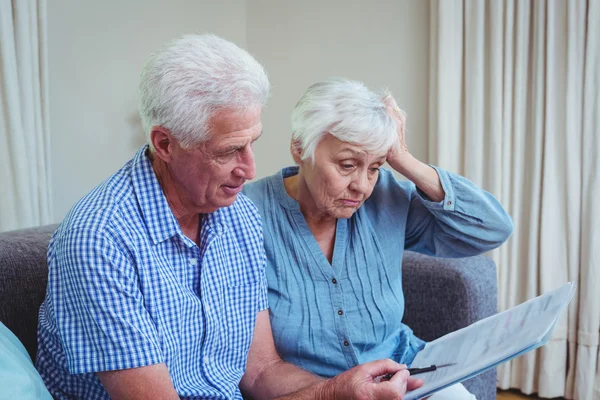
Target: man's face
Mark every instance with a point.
(211, 175)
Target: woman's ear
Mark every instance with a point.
(296, 150)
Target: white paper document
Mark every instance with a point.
(491, 341)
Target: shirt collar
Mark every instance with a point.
(156, 212)
(281, 193)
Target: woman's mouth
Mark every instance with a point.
(351, 203)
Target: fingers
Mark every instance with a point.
(382, 367)
(389, 100)
(400, 377)
(395, 388)
(395, 112)
(400, 382)
(414, 383)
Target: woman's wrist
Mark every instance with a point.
(404, 164)
(424, 176)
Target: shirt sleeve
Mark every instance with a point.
(263, 300)
(468, 221)
(98, 305)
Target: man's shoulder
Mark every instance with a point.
(389, 200)
(103, 205)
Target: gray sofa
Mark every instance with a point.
(442, 295)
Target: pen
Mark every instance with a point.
(416, 371)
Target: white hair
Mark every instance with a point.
(183, 84)
(346, 109)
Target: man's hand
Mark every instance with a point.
(362, 382)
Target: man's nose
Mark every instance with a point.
(246, 167)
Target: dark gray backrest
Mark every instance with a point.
(23, 278)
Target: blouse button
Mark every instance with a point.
(334, 281)
(346, 343)
(340, 312)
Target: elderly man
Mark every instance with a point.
(156, 284)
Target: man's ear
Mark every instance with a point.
(296, 150)
(163, 143)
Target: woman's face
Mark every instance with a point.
(341, 179)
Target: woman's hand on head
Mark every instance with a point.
(398, 155)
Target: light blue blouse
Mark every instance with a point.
(327, 318)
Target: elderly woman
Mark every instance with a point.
(336, 226)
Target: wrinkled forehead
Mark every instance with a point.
(359, 151)
(228, 120)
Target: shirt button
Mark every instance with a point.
(449, 203)
(346, 343)
(206, 360)
(334, 281)
(340, 312)
(193, 262)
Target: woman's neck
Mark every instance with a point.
(320, 223)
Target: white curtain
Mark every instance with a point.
(515, 107)
(24, 134)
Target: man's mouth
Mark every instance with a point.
(233, 189)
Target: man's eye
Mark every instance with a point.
(347, 166)
(373, 170)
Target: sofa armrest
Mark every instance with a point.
(443, 295)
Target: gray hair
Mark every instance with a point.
(183, 84)
(346, 109)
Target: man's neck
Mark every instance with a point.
(188, 221)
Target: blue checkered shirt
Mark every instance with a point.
(126, 288)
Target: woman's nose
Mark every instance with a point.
(360, 183)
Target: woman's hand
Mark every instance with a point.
(398, 156)
(400, 159)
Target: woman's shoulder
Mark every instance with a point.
(389, 186)
(390, 200)
(257, 190)
(264, 191)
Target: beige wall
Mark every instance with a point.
(384, 43)
(96, 50)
